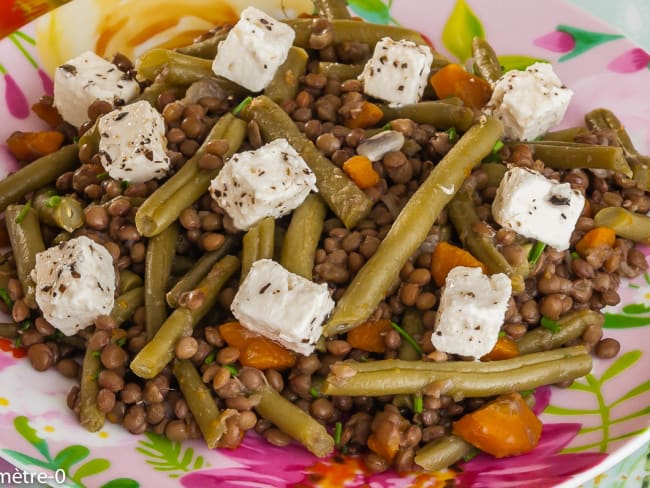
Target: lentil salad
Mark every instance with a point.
(548, 297)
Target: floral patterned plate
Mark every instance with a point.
(588, 428)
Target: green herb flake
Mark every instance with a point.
(471, 455)
(575, 255)
(452, 134)
(497, 147)
(18, 342)
(23, 212)
(551, 325)
(75, 139)
(242, 105)
(121, 342)
(314, 392)
(232, 369)
(338, 431)
(387, 126)
(418, 404)
(96, 354)
(53, 202)
(25, 324)
(125, 184)
(527, 393)
(502, 333)
(209, 359)
(536, 252)
(4, 296)
(408, 338)
(102, 176)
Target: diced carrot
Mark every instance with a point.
(504, 427)
(369, 336)
(359, 169)
(386, 449)
(256, 350)
(369, 115)
(596, 238)
(505, 348)
(446, 257)
(46, 112)
(28, 146)
(263, 353)
(454, 81)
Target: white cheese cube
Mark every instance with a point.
(253, 50)
(86, 78)
(282, 306)
(268, 182)
(537, 207)
(471, 312)
(530, 102)
(75, 284)
(397, 71)
(132, 143)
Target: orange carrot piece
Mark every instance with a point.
(369, 115)
(359, 169)
(49, 114)
(255, 350)
(369, 336)
(504, 427)
(505, 348)
(454, 81)
(596, 238)
(28, 146)
(386, 449)
(446, 257)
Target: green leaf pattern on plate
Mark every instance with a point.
(594, 385)
(168, 455)
(64, 459)
(373, 10)
(461, 27)
(513, 61)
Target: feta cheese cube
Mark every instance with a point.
(86, 78)
(282, 306)
(253, 50)
(397, 71)
(268, 182)
(132, 143)
(529, 102)
(471, 312)
(75, 283)
(537, 207)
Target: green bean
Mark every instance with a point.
(440, 114)
(284, 85)
(90, 138)
(159, 351)
(464, 218)
(206, 48)
(189, 183)
(38, 174)
(157, 269)
(352, 30)
(294, 421)
(412, 325)
(182, 264)
(90, 416)
(410, 229)
(198, 271)
(469, 385)
(300, 242)
(152, 92)
(495, 172)
(605, 119)
(572, 325)
(332, 9)
(129, 280)
(26, 241)
(342, 196)
(58, 211)
(626, 224)
(443, 452)
(565, 135)
(349, 368)
(258, 243)
(200, 402)
(7, 269)
(9, 331)
(340, 71)
(486, 62)
(126, 304)
(574, 155)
